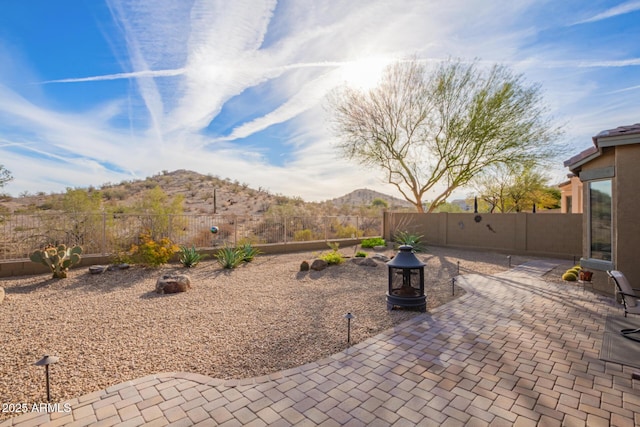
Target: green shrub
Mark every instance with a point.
(406, 238)
(372, 242)
(569, 276)
(361, 254)
(229, 257)
(189, 257)
(248, 252)
(332, 258)
(151, 252)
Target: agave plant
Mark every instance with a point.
(58, 259)
(413, 240)
(248, 252)
(189, 257)
(229, 257)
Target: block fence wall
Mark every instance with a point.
(538, 234)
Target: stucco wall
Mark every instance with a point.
(552, 235)
(626, 196)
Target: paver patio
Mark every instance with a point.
(515, 350)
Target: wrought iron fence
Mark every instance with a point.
(104, 233)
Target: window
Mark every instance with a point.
(569, 207)
(600, 215)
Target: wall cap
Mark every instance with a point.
(596, 264)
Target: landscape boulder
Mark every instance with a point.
(365, 262)
(380, 257)
(319, 264)
(97, 269)
(173, 283)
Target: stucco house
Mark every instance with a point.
(571, 195)
(610, 175)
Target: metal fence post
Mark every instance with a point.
(284, 222)
(104, 233)
(325, 229)
(235, 230)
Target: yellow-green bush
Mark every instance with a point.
(151, 252)
(569, 276)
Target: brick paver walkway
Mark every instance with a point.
(514, 351)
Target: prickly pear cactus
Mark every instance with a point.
(58, 259)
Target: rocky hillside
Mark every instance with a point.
(365, 197)
(206, 194)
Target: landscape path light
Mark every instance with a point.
(46, 361)
(349, 316)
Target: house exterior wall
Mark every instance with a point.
(626, 190)
(593, 170)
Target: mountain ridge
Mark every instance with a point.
(199, 192)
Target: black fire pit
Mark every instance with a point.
(406, 281)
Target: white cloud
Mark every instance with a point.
(621, 9)
(187, 60)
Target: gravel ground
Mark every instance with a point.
(260, 318)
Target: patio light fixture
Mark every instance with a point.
(46, 361)
(349, 316)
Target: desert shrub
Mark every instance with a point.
(153, 252)
(248, 252)
(189, 257)
(361, 254)
(372, 242)
(229, 257)
(305, 235)
(407, 238)
(332, 258)
(121, 257)
(569, 276)
(347, 231)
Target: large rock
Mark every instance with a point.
(97, 269)
(173, 283)
(380, 257)
(319, 264)
(1, 295)
(365, 262)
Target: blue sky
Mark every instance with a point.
(101, 91)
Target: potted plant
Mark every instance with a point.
(586, 275)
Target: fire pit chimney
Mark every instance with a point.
(406, 281)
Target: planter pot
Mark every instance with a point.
(586, 275)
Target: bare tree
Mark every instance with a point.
(5, 176)
(443, 128)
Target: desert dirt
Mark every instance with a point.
(260, 318)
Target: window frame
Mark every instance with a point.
(590, 223)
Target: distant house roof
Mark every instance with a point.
(606, 138)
